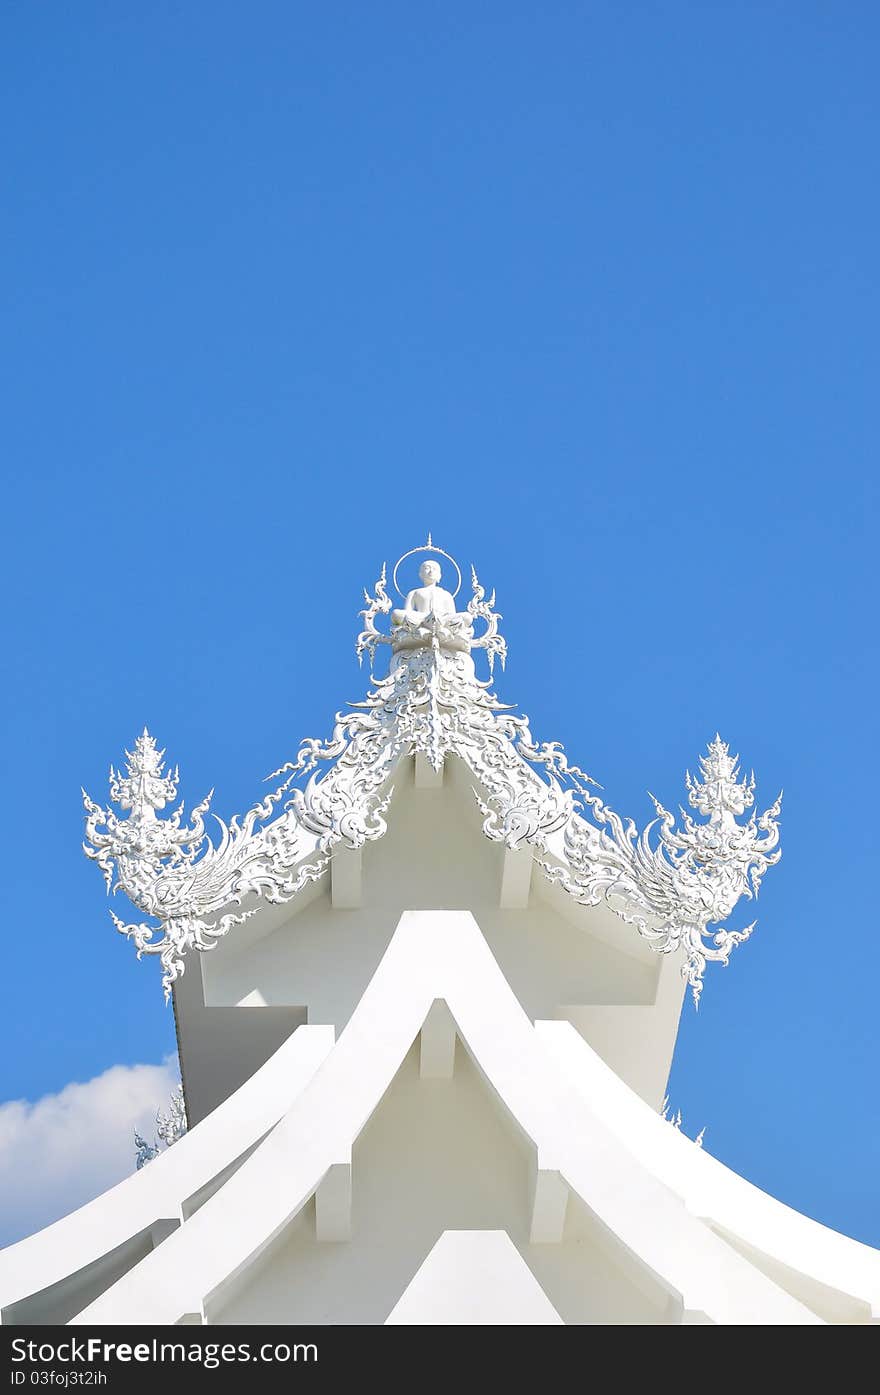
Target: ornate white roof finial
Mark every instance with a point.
(428, 618)
(145, 787)
(720, 794)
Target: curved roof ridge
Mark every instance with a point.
(442, 954)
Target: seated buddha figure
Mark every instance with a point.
(430, 599)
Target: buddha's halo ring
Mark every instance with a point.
(425, 547)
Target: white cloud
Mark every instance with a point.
(64, 1149)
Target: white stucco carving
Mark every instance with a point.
(428, 617)
(144, 1152)
(171, 1125)
(174, 873)
(677, 890)
(675, 886)
(674, 1118)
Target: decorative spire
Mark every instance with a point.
(721, 794)
(170, 1128)
(680, 890)
(145, 788)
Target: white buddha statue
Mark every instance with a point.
(428, 599)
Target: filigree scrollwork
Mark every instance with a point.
(377, 604)
(170, 1129)
(480, 609)
(174, 873)
(676, 890)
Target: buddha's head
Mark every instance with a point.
(429, 572)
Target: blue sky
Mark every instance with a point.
(587, 289)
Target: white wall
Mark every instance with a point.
(316, 959)
(437, 1155)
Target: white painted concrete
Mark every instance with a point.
(618, 1217)
(837, 1276)
(516, 878)
(441, 954)
(57, 1262)
(561, 959)
(345, 879)
(434, 1156)
(437, 1043)
(474, 1278)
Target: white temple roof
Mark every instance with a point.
(674, 887)
(718, 1249)
(433, 1097)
